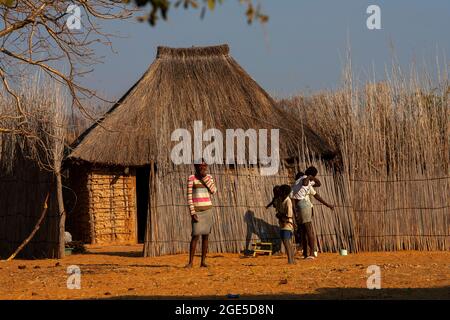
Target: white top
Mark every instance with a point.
(301, 192)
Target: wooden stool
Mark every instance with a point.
(262, 247)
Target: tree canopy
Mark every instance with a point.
(160, 8)
(36, 35)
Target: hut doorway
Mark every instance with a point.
(142, 200)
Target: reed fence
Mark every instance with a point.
(357, 224)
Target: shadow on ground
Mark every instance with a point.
(125, 254)
(440, 293)
(139, 254)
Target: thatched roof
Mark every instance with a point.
(181, 86)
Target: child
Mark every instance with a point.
(304, 214)
(199, 190)
(285, 215)
(313, 181)
(275, 196)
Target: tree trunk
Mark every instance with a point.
(62, 214)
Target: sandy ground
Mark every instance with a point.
(120, 273)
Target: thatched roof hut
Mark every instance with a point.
(180, 87)
(127, 177)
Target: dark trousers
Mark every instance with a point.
(308, 238)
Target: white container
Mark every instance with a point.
(343, 252)
(315, 254)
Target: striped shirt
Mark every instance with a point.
(198, 193)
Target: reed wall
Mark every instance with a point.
(367, 215)
(22, 196)
(239, 211)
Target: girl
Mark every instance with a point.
(285, 215)
(304, 215)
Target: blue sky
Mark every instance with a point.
(300, 50)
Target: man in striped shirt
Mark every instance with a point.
(199, 190)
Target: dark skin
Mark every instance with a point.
(323, 201)
(275, 195)
(200, 173)
(192, 248)
(305, 182)
(316, 181)
(317, 196)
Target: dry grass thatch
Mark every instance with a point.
(390, 189)
(180, 87)
(28, 160)
(390, 186)
(393, 141)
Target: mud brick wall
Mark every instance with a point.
(112, 206)
(106, 206)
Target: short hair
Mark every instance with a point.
(299, 175)
(284, 190)
(200, 163)
(311, 171)
(276, 190)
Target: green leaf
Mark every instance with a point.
(211, 4)
(8, 3)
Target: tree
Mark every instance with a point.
(38, 34)
(45, 36)
(35, 35)
(161, 8)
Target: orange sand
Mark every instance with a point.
(120, 272)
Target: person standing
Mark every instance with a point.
(285, 215)
(304, 215)
(313, 181)
(276, 190)
(201, 186)
(312, 173)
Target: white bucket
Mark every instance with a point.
(343, 252)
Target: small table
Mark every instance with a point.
(262, 247)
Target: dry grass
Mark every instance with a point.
(182, 86)
(30, 154)
(392, 178)
(390, 181)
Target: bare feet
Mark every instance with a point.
(203, 265)
(188, 266)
